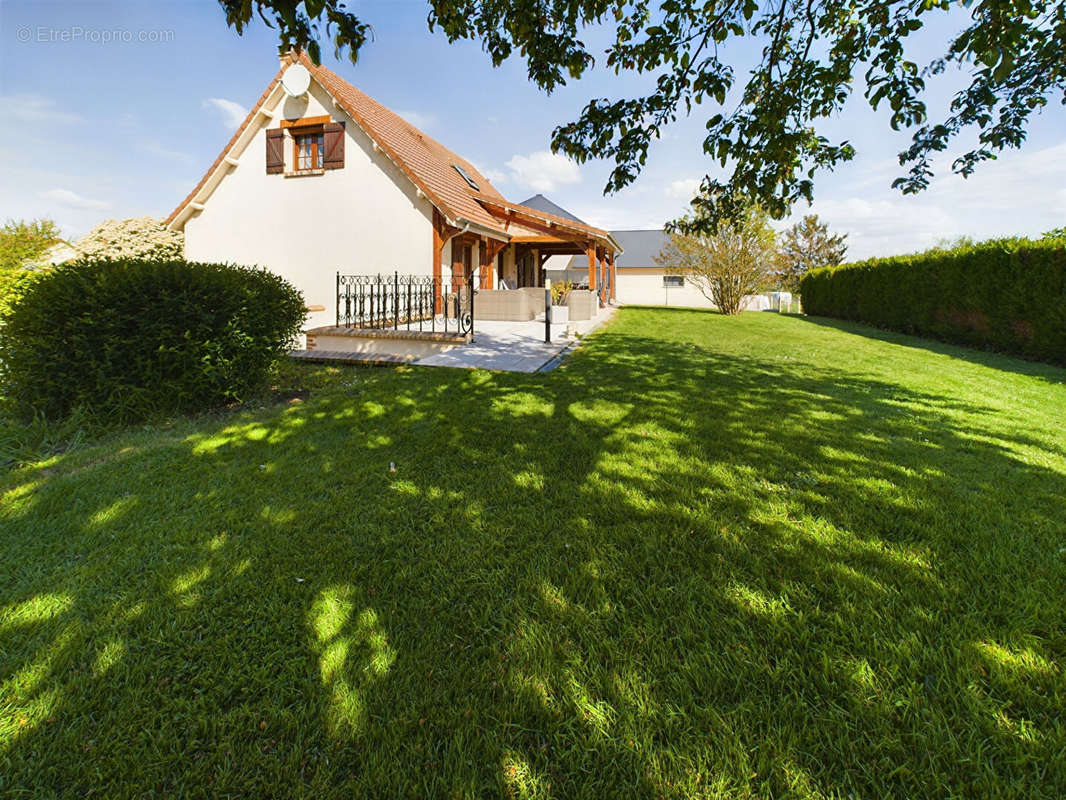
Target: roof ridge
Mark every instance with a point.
(409, 126)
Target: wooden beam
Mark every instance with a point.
(557, 232)
(504, 211)
(305, 121)
(590, 251)
(541, 240)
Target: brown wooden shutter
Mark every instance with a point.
(333, 144)
(275, 150)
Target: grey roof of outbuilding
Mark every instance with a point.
(640, 247)
(539, 202)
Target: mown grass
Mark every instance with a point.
(708, 557)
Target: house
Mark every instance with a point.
(642, 280)
(377, 224)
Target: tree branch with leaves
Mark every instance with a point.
(816, 55)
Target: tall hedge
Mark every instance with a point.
(1008, 295)
(131, 339)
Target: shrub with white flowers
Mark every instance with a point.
(139, 237)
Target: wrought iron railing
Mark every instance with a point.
(406, 302)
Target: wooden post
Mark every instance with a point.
(485, 259)
(438, 248)
(442, 232)
(590, 251)
(601, 253)
(613, 273)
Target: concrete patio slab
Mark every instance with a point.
(512, 346)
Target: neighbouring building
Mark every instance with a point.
(644, 281)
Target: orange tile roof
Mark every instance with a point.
(543, 216)
(425, 161)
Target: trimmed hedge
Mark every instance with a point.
(133, 339)
(1007, 295)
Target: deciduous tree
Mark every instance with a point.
(728, 264)
(22, 245)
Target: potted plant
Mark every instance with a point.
(560, 296)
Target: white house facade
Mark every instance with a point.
(320, 179)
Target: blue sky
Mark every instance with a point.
(116, 109)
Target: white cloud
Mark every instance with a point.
(33, 108)
(543, 171)
(683, 189)
(419, 119)
(65, 197)
(1019, 194)
(494, 175)
(233, 114)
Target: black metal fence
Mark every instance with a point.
(406, 302)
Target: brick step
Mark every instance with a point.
(367, 359)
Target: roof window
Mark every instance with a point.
(466, 177)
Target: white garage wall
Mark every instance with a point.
(645, 287)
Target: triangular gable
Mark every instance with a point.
(428, 164)
(214, 173)
(424, 161)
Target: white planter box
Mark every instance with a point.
(560, 315)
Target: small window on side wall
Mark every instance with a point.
(673, 281)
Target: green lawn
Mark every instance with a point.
(756, 557)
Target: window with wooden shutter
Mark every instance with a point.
(275, 151)
(307, 150)
(333, 134)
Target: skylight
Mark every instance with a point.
(466, 177)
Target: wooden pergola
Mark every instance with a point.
(549, 236)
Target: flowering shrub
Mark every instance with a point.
(139, 237)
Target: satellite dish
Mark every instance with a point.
(296, 80)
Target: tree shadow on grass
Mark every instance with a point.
(656, 571)
(985, 358)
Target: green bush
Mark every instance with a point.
(1007, 295)
(135, 339)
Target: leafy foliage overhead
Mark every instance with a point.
(768, 134)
